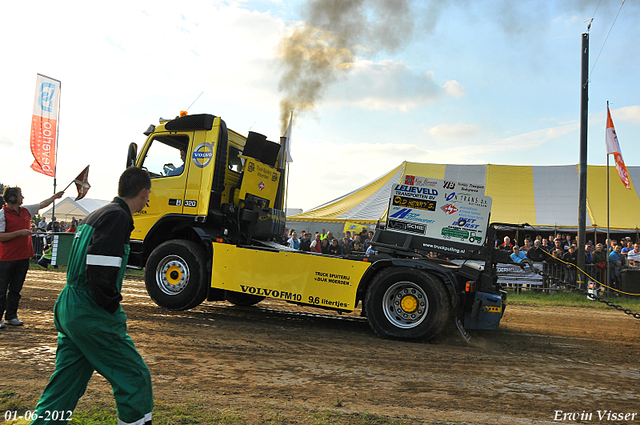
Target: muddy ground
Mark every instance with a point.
(541, 362)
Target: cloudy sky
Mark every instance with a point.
(373, 82)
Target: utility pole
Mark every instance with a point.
(584, 121)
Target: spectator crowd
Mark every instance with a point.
(562, 252)
(326, 243)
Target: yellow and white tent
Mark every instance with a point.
(546, 197)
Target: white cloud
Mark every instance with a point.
(456, 132)
(531, 141)
(389, 85)
(628, 113)
(454, 88)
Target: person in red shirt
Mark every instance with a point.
(72, 228)
(316, 245)
(15, 250)
(506, 245)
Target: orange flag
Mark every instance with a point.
(44, 125)
(613, 147)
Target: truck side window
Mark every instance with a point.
(235, 162)
(166, 156)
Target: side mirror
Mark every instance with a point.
(132, 155)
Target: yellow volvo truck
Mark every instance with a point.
(211, 228)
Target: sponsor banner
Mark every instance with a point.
(420, 181)
(403, 226)
(470, 188)
(414, 203)
(44, 125)
(448, 211)
(353, 226)
(512, 273)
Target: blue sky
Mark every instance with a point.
(448, 82)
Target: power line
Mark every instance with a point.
(595, 11)
(606, 38)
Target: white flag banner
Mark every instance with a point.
(613, 147)
(288, 135)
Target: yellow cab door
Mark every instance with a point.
(165, 157)
(202, 162)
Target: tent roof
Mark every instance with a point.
(68, 208)
(543, 196)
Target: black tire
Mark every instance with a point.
(406, 303)
(244, 300)
(175, 275)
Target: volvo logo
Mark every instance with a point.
(202, 155)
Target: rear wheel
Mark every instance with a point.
(175, 275)
(244, 300)
(407, 303)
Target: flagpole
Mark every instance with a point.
(608, 268)
(55, 166)
(69, 185)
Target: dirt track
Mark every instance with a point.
(281, 357)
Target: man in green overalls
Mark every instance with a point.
(91, 323)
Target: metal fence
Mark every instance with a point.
(554, 276)
(558, 274)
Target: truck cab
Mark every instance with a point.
(196, 165)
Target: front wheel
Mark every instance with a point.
(175, 275)
(407, 303)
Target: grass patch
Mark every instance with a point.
(95, 416)
(569, 299)
(194, 411)
(9, 400)
(134, 273)
(33, 265)
(101, 410)
(337, 418)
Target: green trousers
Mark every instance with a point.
(91, 339)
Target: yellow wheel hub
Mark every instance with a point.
(174, 275)
(409, 303)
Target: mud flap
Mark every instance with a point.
(462, 330)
